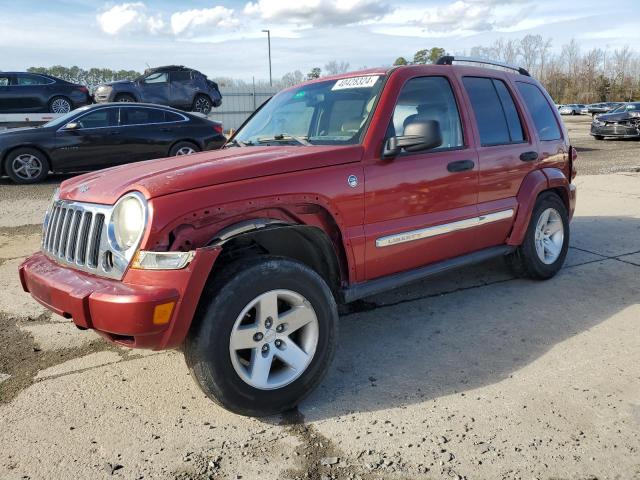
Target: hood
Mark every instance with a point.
(154, 178)
(22, 132)
(615, 117)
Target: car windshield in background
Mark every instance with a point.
(58, 122)
(333, 112)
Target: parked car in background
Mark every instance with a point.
(623, 122)
(175, 86)
(598, 108)
(23, 92)
(335, 190)
(572, 109)
(105, 135)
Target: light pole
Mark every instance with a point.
(268, 32)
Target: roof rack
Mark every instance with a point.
(449, 59)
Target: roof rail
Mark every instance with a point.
(449, 59)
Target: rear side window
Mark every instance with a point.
(172, 117)
(496, 115)
(141, 116)
(543, 117)
(32, 80)
(181, 76)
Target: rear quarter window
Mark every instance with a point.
(540, 110)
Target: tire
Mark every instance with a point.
(124, 97)
(598, 137)
(527, 260)
(202, 104)
(225, 373)
(60, 105)
(26, 165)
(183, 148)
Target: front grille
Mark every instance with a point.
(74, 234)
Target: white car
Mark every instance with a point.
(572, 109)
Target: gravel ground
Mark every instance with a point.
(473, 375)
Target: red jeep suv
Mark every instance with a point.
(334, 190)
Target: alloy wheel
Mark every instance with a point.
(26, 166)
(185, 151)
(60, 105)
(549, 236)
(202, 105)
(274, 339)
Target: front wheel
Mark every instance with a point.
(546, 242)
(124, 98)
(264, 335)
(26, 165)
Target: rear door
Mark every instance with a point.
(32, 92)
(145, 132)
(182, 88)
(94, 144)
(155, 88)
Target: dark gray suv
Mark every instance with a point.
(175, 86)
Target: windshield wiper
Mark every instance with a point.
(237, 143)
(285, 137)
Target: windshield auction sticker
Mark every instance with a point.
(356, 82)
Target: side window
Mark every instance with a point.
(172, 117)
(105, 117)
(496, 115)
(428, 98)
(140, 116)
(181, 76)
(158, 77)
(4, 81)
(543, 117)
(31, 80)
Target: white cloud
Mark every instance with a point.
(129, 17)
(473, 15)
(317, 12)
(202, 20)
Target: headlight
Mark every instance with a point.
(128, 221)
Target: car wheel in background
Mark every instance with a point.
(26, 165)
(124, 97)
(546, 242)
(59, 105)
(183, 148)
(264, 335)
(202, 104)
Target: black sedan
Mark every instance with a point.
(623, 122)
(100, 136)
(34, 92)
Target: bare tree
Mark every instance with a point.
(334, 67)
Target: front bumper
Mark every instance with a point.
(615, 130)
(122, 311)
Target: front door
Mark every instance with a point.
(93, 144)
(421, 207)
(155, 88)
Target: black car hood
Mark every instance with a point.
(22, 131)
(615, 117)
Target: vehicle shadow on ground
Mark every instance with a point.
(53, 179)
(418, 343)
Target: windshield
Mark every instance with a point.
(333, 112)
(64, 119)
(618, 109)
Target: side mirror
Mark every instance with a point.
(72, 126)
(418, 136)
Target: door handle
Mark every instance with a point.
(529, 156)
(461, 166)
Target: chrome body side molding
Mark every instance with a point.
(436, 230)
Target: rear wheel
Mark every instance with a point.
(60, 105)
(183, 148)
(124, 97)
(202, 104)
(546, 242)
(264, 335)
(26, 165)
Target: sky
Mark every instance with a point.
(225, 38)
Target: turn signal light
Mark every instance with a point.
(162, 313)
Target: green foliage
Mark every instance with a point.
(314, 73)
(401, 61)
(428, 55)
(91, 77)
